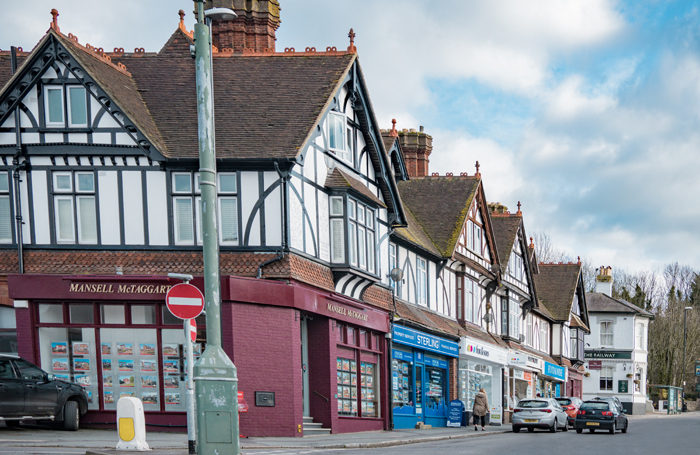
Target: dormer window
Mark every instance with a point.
(474, 237)
(71, 102)
(340, 137)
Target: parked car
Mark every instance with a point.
(570, 405)
(600, 415)
(543, 413)
(29, 393)
(615, 400)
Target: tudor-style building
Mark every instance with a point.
(108, 195)
(561, 291)
(617, 347)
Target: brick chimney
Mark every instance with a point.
(604, 281)
(254, 28)
(416, 147)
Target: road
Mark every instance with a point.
(651, 434)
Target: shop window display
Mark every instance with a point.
(368, 389)
(472, 377)
(347, 386)
(402, 381)
(69, 353)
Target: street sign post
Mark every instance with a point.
(185, 301)
(193, 330)
(190, 337)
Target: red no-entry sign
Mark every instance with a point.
(185, 301)
(193, 330)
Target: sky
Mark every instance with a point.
(587, 112)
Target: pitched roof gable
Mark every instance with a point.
(603, 303)
(505, 231)
(415, 234)
(556, 286)
(111, 80)
(440, 205)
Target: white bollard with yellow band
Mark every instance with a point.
(131, 424)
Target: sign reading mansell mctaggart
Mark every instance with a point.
(113, 288)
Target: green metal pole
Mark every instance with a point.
(216, 382)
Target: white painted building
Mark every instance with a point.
(617, 347)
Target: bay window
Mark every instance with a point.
(361, 235)
(573, 336)
(75, 208)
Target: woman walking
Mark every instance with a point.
(480, 409)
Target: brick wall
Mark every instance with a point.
(25, 332)
(416, 147)
(265, 345)
(454, 381)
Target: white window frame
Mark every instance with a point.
(81, 238)
(55, 176)
(573, 343)
(69, 106)
(337, 227)
(69, 198)
(342, 152)
(514, 318)
(639, 335)
(528, 329)
(5, 195)
(222, 195)
(421, 281)
(544, 336)
(607, 335)
(174, 189)
(220, 220)
(469, 298)
(47, 111)
(176, 225)
(606, 374)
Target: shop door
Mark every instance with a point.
(419, 391)
(304, 365)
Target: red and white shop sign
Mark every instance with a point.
(185, 301)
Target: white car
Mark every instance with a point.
(543, 413)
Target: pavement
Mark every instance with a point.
(103, 442)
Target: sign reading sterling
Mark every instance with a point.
(411, 337)
(104, 288)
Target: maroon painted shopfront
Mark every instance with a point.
(575, 383)
(300, 351)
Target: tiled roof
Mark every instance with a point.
(120, 87)
(340, 179)
(576, 321)
(505, 229)
(440, 205)
(265, 106)
(603, 303)
(556, 287)
(415, 234)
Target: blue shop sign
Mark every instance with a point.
(401, 355)
(554, 371)
(436, 363)
(410, 337)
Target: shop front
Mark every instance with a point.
(115, 336)
(481, 366)
(523, 369)
(551, 383)
(112, 335)
(420, 377)
(574, 383)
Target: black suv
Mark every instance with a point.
(29, 393)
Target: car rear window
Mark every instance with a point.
(595, 406)
(564, 401)
(533, 404)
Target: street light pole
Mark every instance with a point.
(685, 325)
(216, 381)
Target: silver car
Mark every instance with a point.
(543, 413)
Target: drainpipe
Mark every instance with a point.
(16, 175)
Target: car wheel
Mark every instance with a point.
(566, 427)
(579, 430)
(530, 429)
(71, 416)
(516, 429)
(12, 423)
(612, 430)
(553, 428)
(624, 430)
